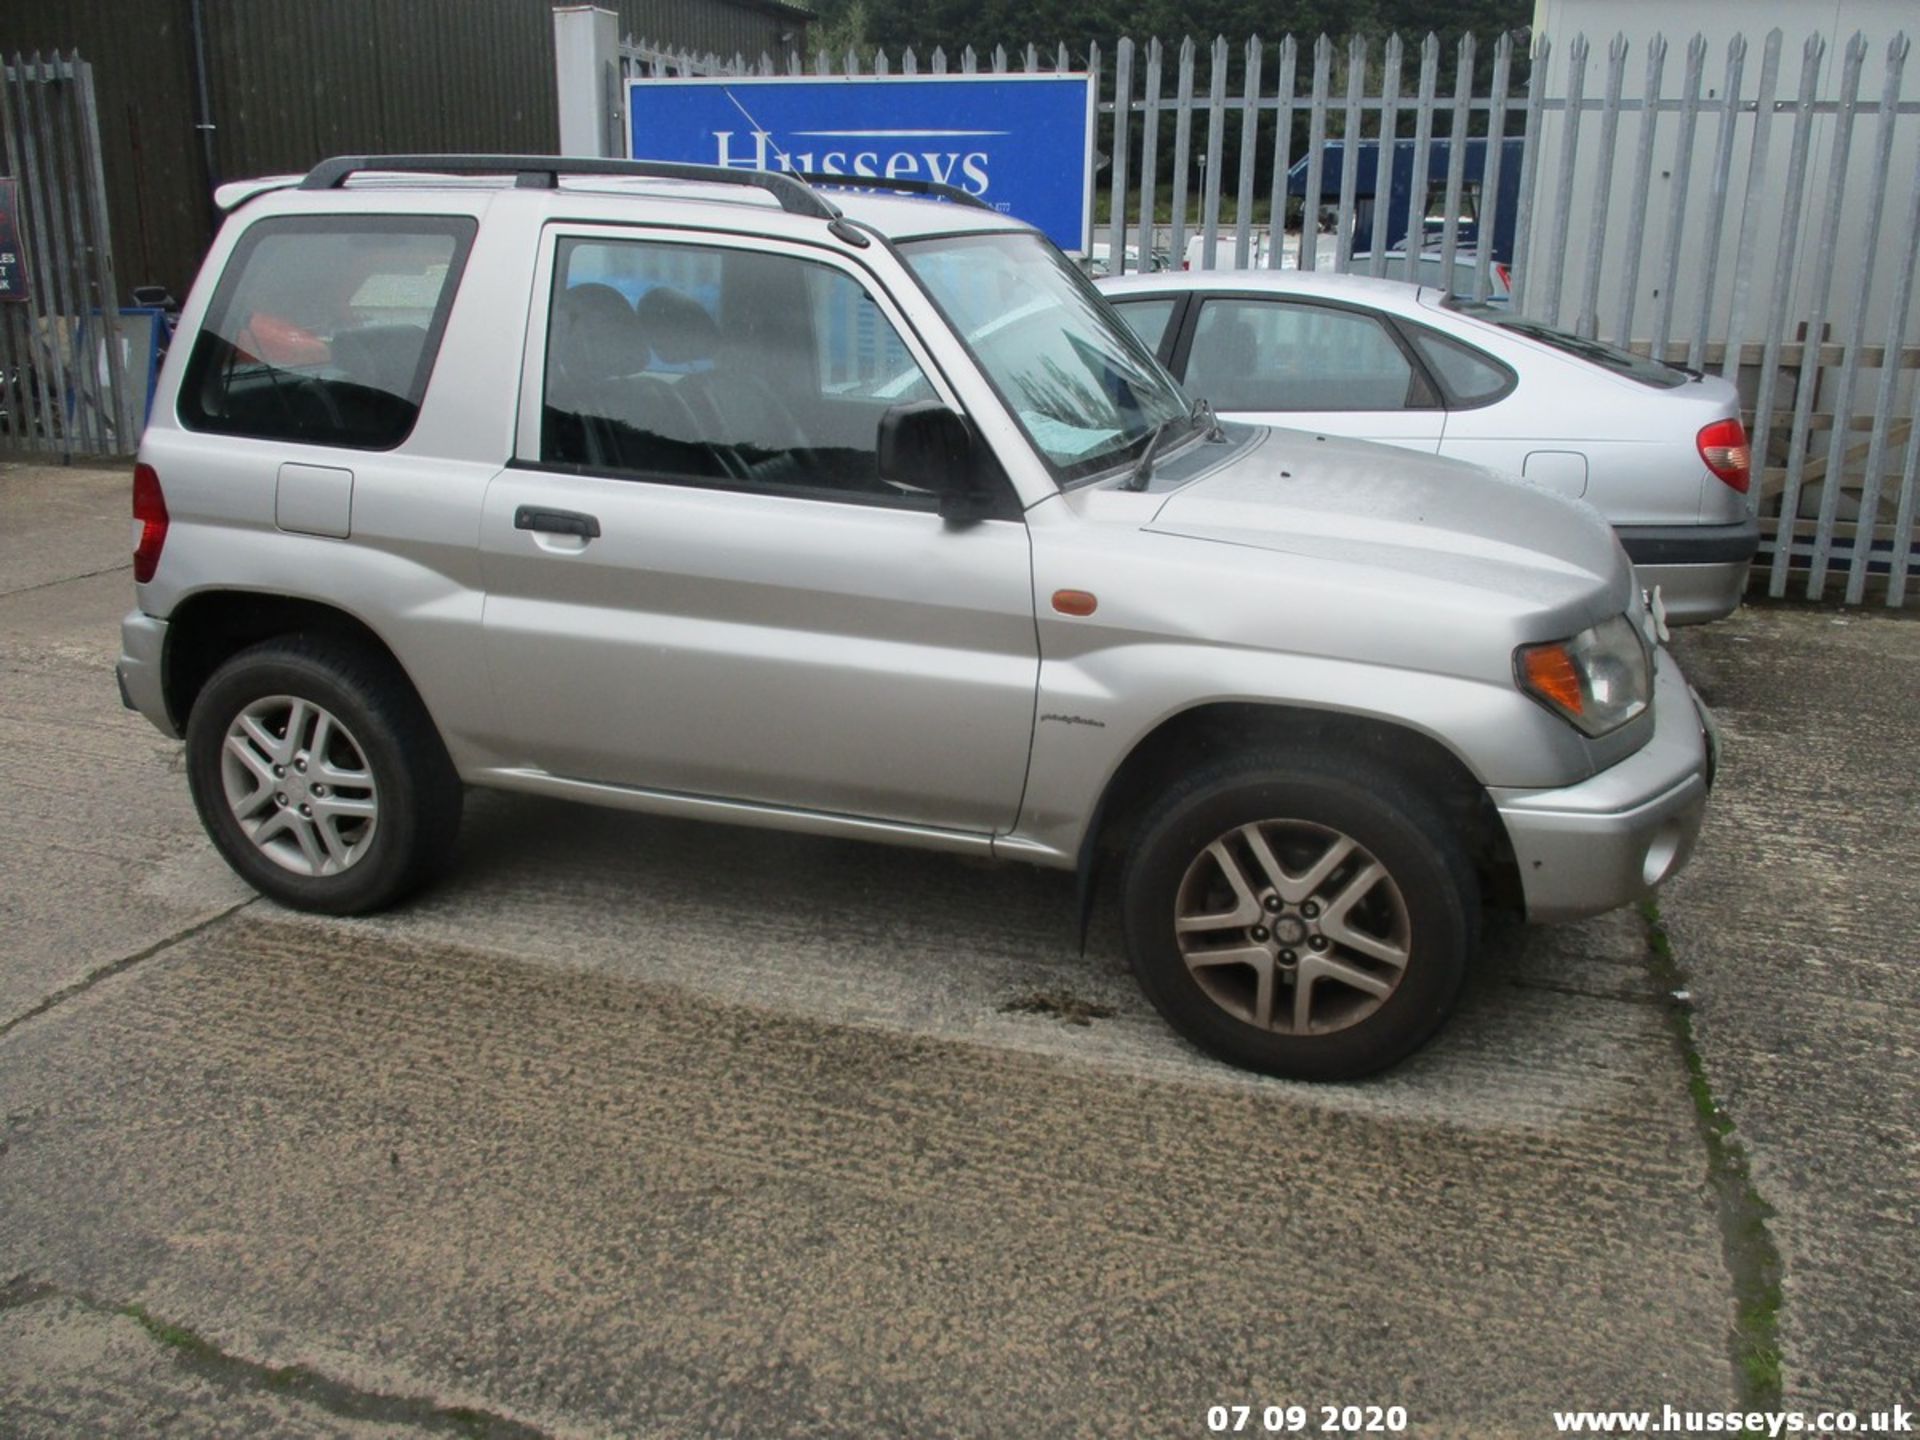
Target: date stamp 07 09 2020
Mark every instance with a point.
(1307, 1419)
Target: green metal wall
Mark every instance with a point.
(291, 81)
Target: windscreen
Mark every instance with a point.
(1086, 390)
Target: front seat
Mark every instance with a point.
(594, 341)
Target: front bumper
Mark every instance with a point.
(143, 641)
(1610, 840)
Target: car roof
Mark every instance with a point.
(905, 217)
(894, 215)
(1400, 296)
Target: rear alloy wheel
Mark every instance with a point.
(299, 786)
(319, 775)
(1300, 916)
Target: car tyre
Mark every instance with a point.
(320, 777)
(1262, 873)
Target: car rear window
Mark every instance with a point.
(1595, 352)
(323, 329)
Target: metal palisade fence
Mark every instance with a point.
(1747, 208)
(1771, 231)
(64, 382)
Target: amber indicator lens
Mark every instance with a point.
(1074, 602)
(1550, 672)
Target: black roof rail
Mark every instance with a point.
(904, 184)
(543, 172)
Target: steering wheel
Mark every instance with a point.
(780, 420)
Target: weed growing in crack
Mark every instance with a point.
(1753, 1260)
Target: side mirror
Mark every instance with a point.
(928, 446)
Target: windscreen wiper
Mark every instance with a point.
(1143, 468)
(1200, 413)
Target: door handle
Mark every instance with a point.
(557, 522)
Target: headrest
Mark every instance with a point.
(677, 326)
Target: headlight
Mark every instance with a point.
(1600, 679)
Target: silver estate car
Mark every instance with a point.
(707, 493)
(1660, 451)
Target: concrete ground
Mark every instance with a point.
(637, 1127)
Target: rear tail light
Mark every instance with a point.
(1506, 276)
(150, 514)
(1723, 445)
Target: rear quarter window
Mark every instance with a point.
(1468, 377)
(323, 329)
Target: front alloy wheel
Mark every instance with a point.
(1306, 913)
(1293, 927)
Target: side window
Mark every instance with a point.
(859, 353)
(323, 329)
(1147, 319)
(1469, 377)
(1277, 355)
(720, 367)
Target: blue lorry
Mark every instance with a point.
(1474, 200)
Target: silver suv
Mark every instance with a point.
(707, 493)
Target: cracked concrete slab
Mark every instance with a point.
(583, 1141)
(1796, 926)
(53, 530)
(584, 1198)
(78, 1369)
(99, 848)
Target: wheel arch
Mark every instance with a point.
(209, 627)
(1215, 729)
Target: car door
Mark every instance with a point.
(696, 581)
(1334, 369)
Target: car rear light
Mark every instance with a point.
(1506, 276)
(150, 513)
(1723, 445)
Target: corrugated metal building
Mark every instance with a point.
(1718, 22)
(290, 81)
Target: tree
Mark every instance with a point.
(894, 25)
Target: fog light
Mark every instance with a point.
(1661, 854)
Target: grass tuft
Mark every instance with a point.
(178, 1336)
(1753, 1260)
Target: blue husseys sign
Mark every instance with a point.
(1022, 143)
(13, 261)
